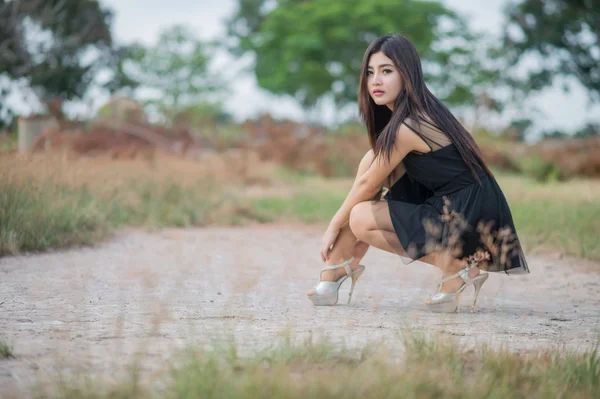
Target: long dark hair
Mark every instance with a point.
(415, 101)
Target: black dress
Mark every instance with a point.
(438, 204)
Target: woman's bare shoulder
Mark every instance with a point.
(407, 137)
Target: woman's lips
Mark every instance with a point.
(378, 93)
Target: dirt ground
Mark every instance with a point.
(151, 293)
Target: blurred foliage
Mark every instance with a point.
(565, 34)
(555, 134)
(57, 47)
(295, 367)
(314, 49)
(542, 171)
(201, 114)
(310, 50)
(520, 128)
(121, 109)
(177, 68)
(588, 130)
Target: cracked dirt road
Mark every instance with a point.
(91, 309)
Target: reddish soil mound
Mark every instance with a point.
(122, 141)
(302, 147)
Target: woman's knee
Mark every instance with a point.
(358, 222)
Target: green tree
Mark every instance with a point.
(313, 49)
(57, 47)
(555, 134)
(519, 128)
(200, 114)
(589, 130)
(564, 34)
(176, 68)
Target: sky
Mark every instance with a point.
(141, 20)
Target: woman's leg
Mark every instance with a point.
(347, 245)
(370, 222)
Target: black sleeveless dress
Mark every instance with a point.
(438, 204)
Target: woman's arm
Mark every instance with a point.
(369, 183)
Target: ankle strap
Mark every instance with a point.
(345, 265)
(463, 273)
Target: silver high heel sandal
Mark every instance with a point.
(327, 291)
(447, 302)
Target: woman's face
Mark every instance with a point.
(383, 80)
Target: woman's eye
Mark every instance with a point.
(369, 73)
(387, 71)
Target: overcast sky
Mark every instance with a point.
(141, 20)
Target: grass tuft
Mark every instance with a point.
(35, 218)
(427, 369)
(6, 351)
(50, 201)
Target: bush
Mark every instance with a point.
(540, 170)
(37, 218)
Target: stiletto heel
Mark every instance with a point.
(326, 292)
(477, 283)
(447, 302)
(354, 278)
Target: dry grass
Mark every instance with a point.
(428, 368)
(518, 188)
(104, 175)
(98, 193)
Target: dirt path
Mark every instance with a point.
(90, 309)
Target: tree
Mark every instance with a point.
(314, 49)
(555, 134)
(564, 34)
(589, 130)
(519, 128)
(176, 68)
(57, 47)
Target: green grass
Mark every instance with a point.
(550, 215)
(6, 351)
(304, 207)
(556, 215)
(38, 218)
(157, 206)
(427, 368)
(572, 228)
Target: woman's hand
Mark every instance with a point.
(329, 238)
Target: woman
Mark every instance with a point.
(443, 205)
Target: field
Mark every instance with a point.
(191, 281)
(79, 200)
